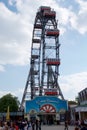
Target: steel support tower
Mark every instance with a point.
(45, 61)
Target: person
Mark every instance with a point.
(66, 125)
(79, 123)
(37, 123)
(33, 124)
(5, 126)
(83, 126)
(1, 125)
(29, 125)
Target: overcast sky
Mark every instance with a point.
(16, 26)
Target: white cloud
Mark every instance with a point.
(15, 38)
(79, 21)
(12, 2)
(17, 93)
(69, 84)
(16, 27)
(2, 68)
(72, 84)
(2, 93)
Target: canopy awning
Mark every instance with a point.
(81, 109)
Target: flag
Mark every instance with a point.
(8, 114)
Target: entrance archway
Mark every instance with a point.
(48, 114)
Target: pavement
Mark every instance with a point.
(56, 127)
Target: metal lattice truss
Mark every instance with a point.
(44, 65)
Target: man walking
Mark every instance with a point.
(66, 125)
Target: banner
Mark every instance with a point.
(8, 114)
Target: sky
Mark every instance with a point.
(16, 26)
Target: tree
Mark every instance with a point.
(9, 100)
(72, 102)
(77, 100)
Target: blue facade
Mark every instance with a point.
(40, 101)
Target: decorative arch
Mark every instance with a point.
(48, 108)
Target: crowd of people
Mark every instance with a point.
(79, 125)
(35, 124)
(20, 125)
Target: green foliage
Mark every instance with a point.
(9, 100)
(77, 99)
(72, 102)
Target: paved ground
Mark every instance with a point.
(55, 127)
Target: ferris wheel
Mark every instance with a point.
(45, 61)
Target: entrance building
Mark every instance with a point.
(50, 109)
